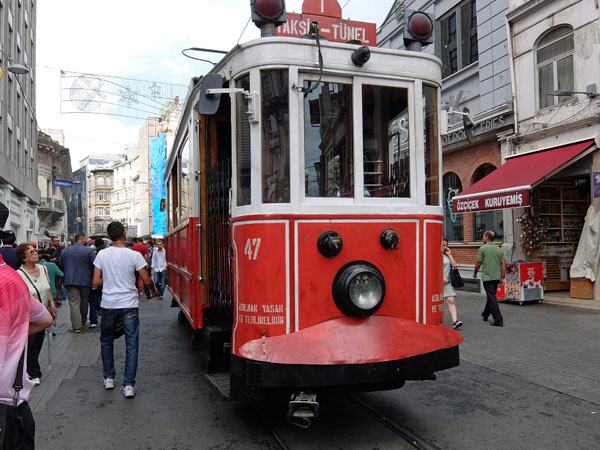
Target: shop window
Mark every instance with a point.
(487, 220)
(275, 136)
(453, 223)
(243, 145)
(386, 149)
(328, 144)
(554, 59)
(458, 38)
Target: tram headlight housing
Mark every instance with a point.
(358, 289)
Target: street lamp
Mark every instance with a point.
(18, 68)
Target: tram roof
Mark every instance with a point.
(286, 51)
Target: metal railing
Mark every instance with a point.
(53, 203)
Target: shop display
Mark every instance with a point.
(560, 209)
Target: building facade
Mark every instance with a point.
(54, 181)
(18, 126)
(556, 61)
(471, 39)
(125, 201)
(100, 188)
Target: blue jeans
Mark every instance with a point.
(160, 279)
(131, 324)
(94, 302)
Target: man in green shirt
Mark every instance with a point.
(490, 259)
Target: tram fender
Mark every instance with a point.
(352, 340)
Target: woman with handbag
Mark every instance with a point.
(37, 280)
(449, 292)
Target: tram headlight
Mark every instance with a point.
(358, 289)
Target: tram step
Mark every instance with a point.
(221, 382)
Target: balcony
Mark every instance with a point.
(53, 204)
(51, 209)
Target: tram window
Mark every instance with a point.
(328, 158)
(275, 136)
(184, 211)
(243, 145)
(431, 145)
(386, 150)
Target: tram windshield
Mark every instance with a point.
(328, 144)
(386, 150)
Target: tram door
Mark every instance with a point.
(219, 315)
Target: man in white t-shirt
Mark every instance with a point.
(115, 269)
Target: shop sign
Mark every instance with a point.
(596, 177)
(495, 123)
(501, 200)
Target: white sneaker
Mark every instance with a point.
(109, 384)
(128, 391)
(36, 381)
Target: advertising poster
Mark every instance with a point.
(158, 163)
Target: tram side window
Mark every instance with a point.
(275, 136)
(431, 145)
(184, 198)
(328, 158)
(243, 145)
(386, 150)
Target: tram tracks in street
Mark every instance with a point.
(347, 422)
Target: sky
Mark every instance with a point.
(141, 40)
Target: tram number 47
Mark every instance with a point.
(251, 249)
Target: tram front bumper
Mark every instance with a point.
(348, 351)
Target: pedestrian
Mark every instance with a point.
(77, 263)
(114, 271)
(20, 315)
(449, 292)
(96, 292)
(159, 268)
(8, 251)
(141, 248)
(56, 275)
(38, 281)
(490, 258)
(55, 253)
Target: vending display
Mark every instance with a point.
(524, 282)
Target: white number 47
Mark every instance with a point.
(251, 249)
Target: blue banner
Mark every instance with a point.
(158, 163)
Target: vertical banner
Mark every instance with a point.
(158, 163)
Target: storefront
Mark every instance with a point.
(545, 196)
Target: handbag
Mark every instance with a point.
(455, 278)
(16, 424)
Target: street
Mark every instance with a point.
(534, 384)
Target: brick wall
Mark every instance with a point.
(464, 163)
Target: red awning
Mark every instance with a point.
(509, 185)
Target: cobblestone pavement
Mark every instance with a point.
(534, 384)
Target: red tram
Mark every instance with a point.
(305, 217)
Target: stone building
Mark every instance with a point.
(54, 181)
(18, 126)
(100, 188)
(125, 201)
